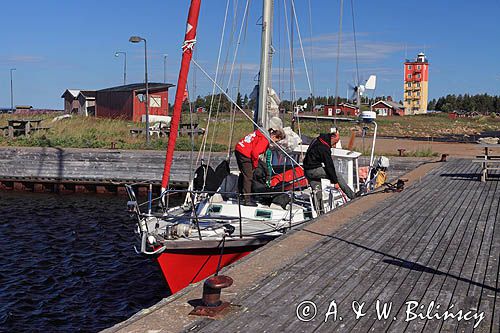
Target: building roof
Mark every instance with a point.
(138, 87)
(347, 105)
(72, 92)
(390, 104)
(87, 94)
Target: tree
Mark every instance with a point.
(238, 100)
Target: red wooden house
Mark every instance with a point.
(343, 109)
(388, 108)
(127, 102)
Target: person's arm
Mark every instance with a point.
(330, 168)
(259, 148)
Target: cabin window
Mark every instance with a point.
(264, 214)
(155, 101)
(215, 209)
(409, 84)
(409, 66)
(409, 76)
(418, 76)
(418, 67)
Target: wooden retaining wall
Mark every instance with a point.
(72, 170)
(89, 170)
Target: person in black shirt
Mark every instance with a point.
(318, 164)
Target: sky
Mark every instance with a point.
(59, 45)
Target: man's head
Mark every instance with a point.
(276, 134)
(334, 138)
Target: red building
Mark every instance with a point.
(127, 102)
(344, 109)
(388, 108)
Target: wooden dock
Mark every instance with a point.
(106, 170)
(438, 241)
(435, 243)
(91, 170)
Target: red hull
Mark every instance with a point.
(182, 268)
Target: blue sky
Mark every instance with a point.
(55, 45)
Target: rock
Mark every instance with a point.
(489, 140)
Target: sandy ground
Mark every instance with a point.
(388, 146)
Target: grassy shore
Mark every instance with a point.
(82, 132)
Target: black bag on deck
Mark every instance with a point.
(213, 179)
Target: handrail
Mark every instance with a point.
(144, 216)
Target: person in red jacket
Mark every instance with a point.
(247, 153)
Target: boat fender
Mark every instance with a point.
(229, 229)
(151, 240)
(181, 230)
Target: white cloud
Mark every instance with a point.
(325, 47)
(25, 59)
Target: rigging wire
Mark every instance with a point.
(289, 31)
(311, 54)
(201, 153)
(238, 42)
(264, 132)
(192, 135)
(224, 70)
(355, 44)
(338, 61)
(233, 113)
(301, 47)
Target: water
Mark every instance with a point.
(67, 264)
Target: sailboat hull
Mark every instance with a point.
(182, 267)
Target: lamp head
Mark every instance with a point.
(135, 39)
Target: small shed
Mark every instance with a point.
(71, 100)
(127, 102)
(388, 108)
(344, 109)
(86, 103)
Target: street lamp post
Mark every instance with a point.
(117, 54)
(165, 68)
(137, 39)
(11, 91)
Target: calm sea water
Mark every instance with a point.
(67, 264)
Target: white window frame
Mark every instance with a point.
(155, 101)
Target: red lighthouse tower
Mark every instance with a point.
(416, 85)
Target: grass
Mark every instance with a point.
(88, 132)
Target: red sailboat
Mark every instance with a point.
(212, 229)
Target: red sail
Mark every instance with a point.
(187, 49)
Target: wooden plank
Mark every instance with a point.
(252, 321)
(415, 252)
(434, 290)
(305, 288)
(480, 273)
(463, 297)
(420, 279)
(424, 280)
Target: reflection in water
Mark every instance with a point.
(67, 263)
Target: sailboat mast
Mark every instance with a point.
(187, 54)
(265, 62)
